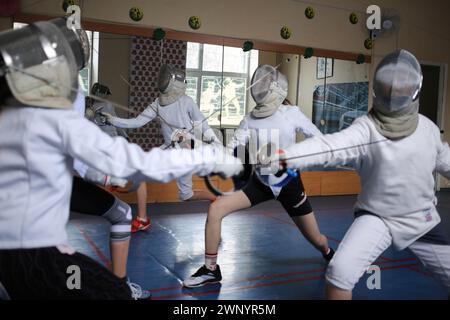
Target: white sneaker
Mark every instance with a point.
(137, 293)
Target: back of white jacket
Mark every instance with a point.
(396, 175)
(37, 148)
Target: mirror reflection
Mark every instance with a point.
(331, 92)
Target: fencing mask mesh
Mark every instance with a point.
(41, 62)
(171, 84)
(396, 89)
(397, 82)
(269, 89)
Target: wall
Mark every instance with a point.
(423, 31)
(290, 68)
(114, 62)
(423, 27)
(252, 19)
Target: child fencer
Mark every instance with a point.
(40, 136)
(88, 197)
(269, 122)
(93, 111)
(177, 112)
(396, 151)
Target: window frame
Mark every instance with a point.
(199, 73)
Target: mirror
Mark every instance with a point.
(218, 78)
(331, 92)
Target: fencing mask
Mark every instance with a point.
(94, 109)
(171, 84)
(396, 89)
(40, 62)
(269, 89)
(100, 90)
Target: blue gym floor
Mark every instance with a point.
(262, 254)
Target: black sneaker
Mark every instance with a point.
(329, 255)
(203, 276)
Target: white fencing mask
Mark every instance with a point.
(269, 89)
(396, 90)
(171, 84)
(40, 62)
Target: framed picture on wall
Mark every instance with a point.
(322, 64)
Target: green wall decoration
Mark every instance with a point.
(361, 59)
(310, 13)
(369, 43)
(195, 22)
(285, 32)
(247, 46)
(136, 14)
(159, 34)
(309, 52)
(353, 18)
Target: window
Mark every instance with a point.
(88, 75)
(217, 79)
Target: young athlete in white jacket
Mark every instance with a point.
(176, 111)
(270, 122)
(40, 136)
(396, 151)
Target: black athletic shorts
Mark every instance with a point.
(88, 198)
(292, 197)
(43, 274)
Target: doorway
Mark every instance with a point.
(432, 97)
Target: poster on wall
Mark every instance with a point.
(336, 106)
(325, 68)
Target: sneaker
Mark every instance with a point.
(329, 255)
(137, 293)
(203, 276)
(140, 225)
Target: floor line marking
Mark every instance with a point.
(273, 276)
(270, 284)
(93, 246)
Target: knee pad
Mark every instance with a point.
(119, 215)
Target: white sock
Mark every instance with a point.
(211, 261)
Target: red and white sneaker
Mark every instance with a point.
(139, 224)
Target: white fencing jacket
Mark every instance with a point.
(36, 160)
(182, 114)
(280, 129)
(396, 175)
